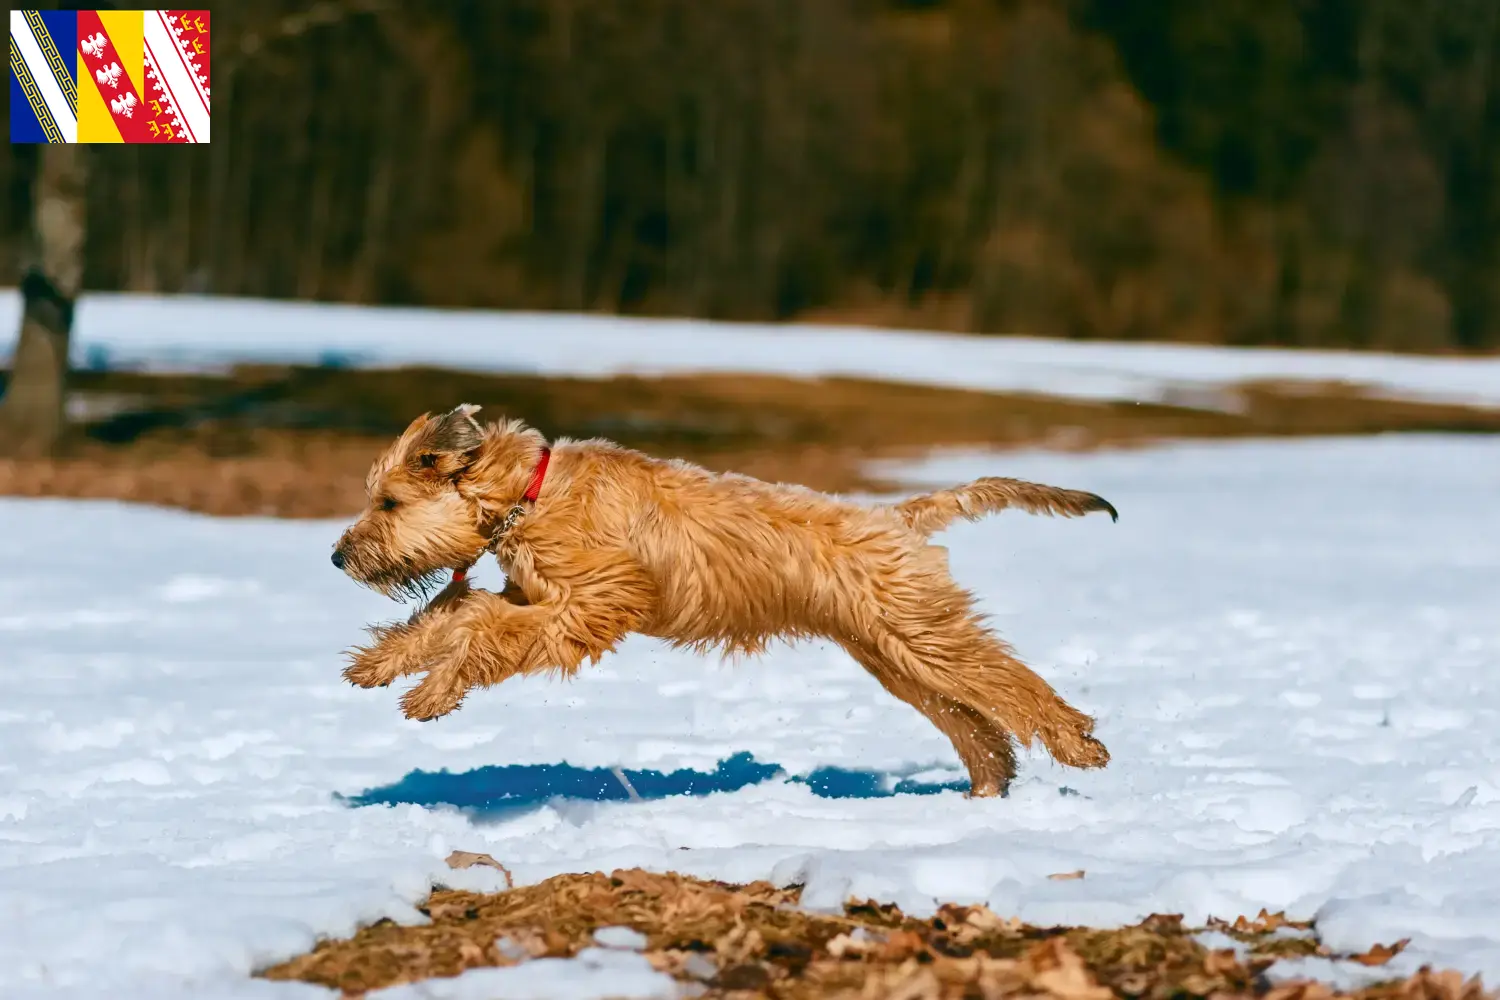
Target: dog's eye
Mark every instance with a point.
(428, 461)
(388, 503)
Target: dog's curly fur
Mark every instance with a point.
(619, 542)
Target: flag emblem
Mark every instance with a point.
(109, 76)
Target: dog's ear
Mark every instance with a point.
(448, 441)
(456, 430)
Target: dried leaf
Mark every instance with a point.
(1196, 984)
(1446, 985)
(557, 943)
(451, 909)
(1066, 876)
(1263, 923)
(1381, 953)
(853, 944)
(966, 925)
(636, 880)
(901, 945)
(986, 919)
(912, 982)
(1222, 961)
(742, 944)
(1163, 923)
(468, 859)
(1300, 990)
(745, 976)
(1289, 947)
(869, 911)
(1058, 969)
(1266, 922)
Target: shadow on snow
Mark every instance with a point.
(501, 791)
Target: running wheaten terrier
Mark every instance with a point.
(598, 541)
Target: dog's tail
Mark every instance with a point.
(931, 512)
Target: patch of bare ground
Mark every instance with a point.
(753, 940)
(296, 442)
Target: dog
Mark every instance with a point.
(598, 541)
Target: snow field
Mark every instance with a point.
(1290, 648)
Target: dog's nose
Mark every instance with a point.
(338, 559)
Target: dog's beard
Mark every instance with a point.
(406, 584)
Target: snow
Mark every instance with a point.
(193, 333)
(594, 973)
(625, 938)
(1290, 647)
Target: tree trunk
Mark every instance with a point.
(216, 253)
(369, 264)
(31, 411)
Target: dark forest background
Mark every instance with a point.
(1307, 172)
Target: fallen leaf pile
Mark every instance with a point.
(753, 941)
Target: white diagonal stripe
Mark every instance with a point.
(179, 82)
(41, 71)
(187, 65)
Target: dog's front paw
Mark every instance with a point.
(370, 667)
(381, 662)
(398, 650)
(431, 699)
(367, 669)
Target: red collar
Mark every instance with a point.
(533, 490)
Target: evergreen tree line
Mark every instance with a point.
(1312, 172)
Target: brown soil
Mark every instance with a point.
(753, 941)
(296, 442)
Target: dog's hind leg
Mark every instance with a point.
(986, 750)
(974, 667)
(926, 629)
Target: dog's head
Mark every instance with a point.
(426, 512)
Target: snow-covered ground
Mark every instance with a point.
(198, 332)
(1291, 648)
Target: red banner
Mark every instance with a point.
(102, 66)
